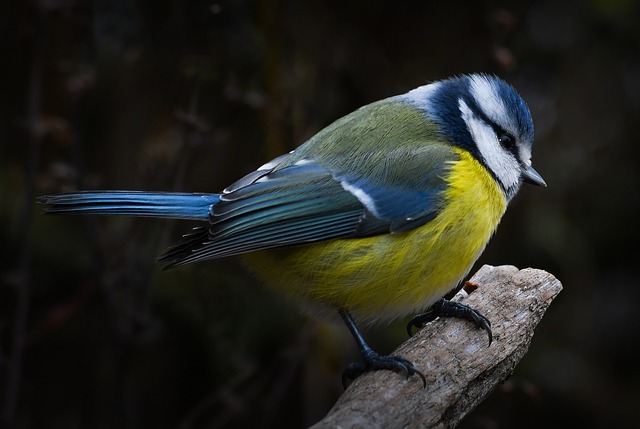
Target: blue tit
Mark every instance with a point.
(377, 216)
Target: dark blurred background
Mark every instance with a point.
(171, 95)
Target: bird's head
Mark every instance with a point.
(485, 116)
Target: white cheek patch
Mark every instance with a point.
(502, 163)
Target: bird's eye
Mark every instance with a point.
(506, 140)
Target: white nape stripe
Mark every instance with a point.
(362, 196)
(502, 163)
(489, 101)
(421, 96)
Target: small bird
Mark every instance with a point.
(377, 216)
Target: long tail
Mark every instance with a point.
(132, 203)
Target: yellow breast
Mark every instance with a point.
(393, 275)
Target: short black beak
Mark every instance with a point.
(532, 177)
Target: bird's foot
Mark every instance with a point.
(374, 361)
(446, 308)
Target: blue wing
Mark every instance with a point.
(306, 202)
(294, 205)
(403, 208)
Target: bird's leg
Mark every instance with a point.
(445, 308)
(373, 361)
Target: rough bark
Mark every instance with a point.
(461, 369)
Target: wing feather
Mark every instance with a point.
(332, 187)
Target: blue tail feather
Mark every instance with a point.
(132, 203)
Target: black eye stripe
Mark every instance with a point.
(497, 129)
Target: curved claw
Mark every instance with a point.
(374, 362)
(446, 308)
(481, 322)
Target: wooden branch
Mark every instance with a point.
(461, 369)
